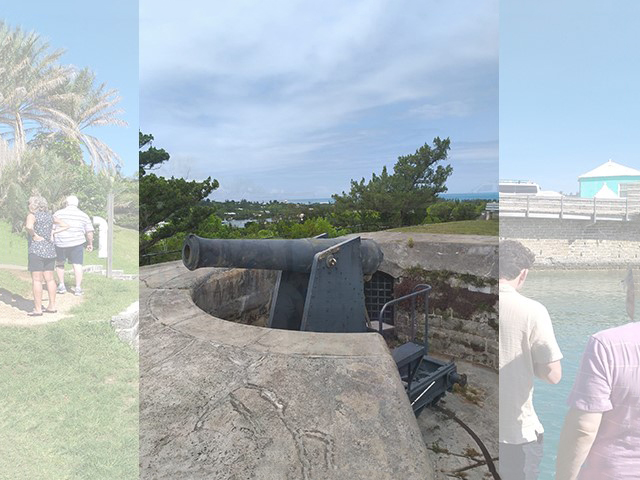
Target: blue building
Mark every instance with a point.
(604, 181)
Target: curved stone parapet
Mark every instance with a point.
(222, 400)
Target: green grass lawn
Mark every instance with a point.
(13, 249)
(465, 227)
(14, 284)
(69, 391)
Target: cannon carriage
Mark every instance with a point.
(320, 288)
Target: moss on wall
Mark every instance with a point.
(450, 296)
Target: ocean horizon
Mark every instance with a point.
(493, 196)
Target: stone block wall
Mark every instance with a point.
(463, 316)
(570, 243)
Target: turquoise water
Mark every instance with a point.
(580, 303)
(470, 196)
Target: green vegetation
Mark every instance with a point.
(70, 392)
(409, 196)
(454, 211)
(14, 284)
(13, 249)
(398, 199)
(450, 296)
(46, 110)
(283, 220)
(466, 227)
(439, 276)
(470, 393)
(39, 93)
(125, 253)
(169, 206)
(436, 448)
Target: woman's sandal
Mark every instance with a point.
(34, 314)
(50, 311)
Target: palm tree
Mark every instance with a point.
(88, 105)
(37, 94)
(29, 78)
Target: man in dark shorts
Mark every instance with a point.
(71, 243)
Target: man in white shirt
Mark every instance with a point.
(71, 243)
(528, 348)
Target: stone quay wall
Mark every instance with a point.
(576, 244)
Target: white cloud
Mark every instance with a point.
(258, 86)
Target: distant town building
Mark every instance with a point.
(524, 187)
(608, 180)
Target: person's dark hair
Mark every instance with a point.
(514, 257)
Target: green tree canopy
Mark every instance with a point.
(399, 199)
(168, 206)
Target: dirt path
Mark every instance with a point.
(14, 306)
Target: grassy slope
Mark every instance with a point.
(13, 249)
(70, 393)
(14, 284)
(69, 390)
(466, 227)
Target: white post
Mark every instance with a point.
(103, 228)
(110, 235)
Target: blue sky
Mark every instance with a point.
(102, 36)
(569, 89)
(292, 99)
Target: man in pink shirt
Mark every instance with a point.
(601, 433)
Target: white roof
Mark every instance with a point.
(611, 169)
(606, 192)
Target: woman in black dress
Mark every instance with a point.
(42, 253)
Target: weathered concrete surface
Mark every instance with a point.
(456, 453)
(239, 295)
(221, 400)
(471, 254)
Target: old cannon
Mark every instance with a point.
(320, 288)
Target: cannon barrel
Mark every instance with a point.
(269, 254)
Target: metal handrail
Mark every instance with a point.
(417, 290)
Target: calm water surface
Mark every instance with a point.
(580, 303)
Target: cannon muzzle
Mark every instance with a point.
(269, 254)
